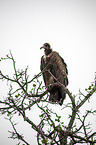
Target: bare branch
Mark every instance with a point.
(15, 134)
(87, 97)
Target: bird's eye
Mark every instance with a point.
(45, 44)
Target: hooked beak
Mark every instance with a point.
(42, 47)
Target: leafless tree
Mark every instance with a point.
(22, 99)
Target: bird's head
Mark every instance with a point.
(47, 48)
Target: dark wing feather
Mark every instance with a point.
(59, 67)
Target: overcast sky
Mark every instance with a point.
(70, 28)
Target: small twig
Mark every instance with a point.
(20, 137)
(86, 97)
(86, 140)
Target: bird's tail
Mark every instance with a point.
(54, 95)
(57, 94)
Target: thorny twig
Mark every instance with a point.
(15, 134)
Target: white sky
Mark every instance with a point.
(68, 25)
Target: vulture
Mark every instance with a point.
(54, 70)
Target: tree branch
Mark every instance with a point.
(16, 134)
(87, 97)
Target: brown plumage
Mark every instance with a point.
(52, 62)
